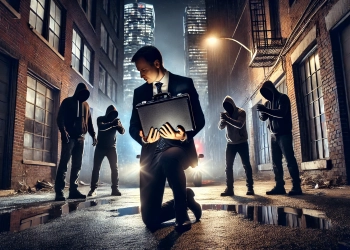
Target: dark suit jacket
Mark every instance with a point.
(177, 84)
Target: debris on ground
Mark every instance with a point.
(44, 185)
(318, 182)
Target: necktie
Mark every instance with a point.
(159, 87)
(161, 145)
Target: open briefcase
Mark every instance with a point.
(175, 110)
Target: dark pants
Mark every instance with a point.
(74, 148)
(165, 165)
(111, 154)
(243, 150)
(283, 145)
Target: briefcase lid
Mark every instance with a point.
(175, 110)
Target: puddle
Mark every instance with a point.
(25, 218)
(275, 215)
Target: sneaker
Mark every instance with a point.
(116, 192)
(276, 191)
(60, 196)
(250, 191)
(228, 192)
(295, 191)
(76, 195)
(92, 193)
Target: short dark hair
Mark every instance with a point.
(149, 53)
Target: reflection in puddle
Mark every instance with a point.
(21, 219)
(283, 216)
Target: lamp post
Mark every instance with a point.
(213, 40)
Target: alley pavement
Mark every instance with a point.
(319, 219)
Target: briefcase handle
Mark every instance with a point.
(160, 96)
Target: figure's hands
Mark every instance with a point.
(222, 122)
(224, 116)
(116, 122)
(152, 136)
(261, 108)
(65, 137)
(94, 141)
(167, 132)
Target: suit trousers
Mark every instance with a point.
(243, 150)
(99, 155)
(167, 165)
(283, 145)
(74, 148)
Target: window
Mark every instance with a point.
(107, 85)
(263, 146)
(38, 122)
(275, 18)
(46, 18)
(310, 76)
(104, 38)
(281, 86)
(81, 56)
(108, 45)
(86, 5)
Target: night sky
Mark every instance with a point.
(169, 31)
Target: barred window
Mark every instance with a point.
(310, 76)
(38, 122)
(49, 25)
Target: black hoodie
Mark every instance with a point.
(106, 137)
(74, 114)
(279, 112)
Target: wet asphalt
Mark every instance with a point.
(319, 219)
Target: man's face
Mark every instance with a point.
(149, 72)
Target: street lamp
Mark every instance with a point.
(214, 40)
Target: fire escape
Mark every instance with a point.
(267, 42)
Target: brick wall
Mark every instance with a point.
(21, 43)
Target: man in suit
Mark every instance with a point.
(166, 152)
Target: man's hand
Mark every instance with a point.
(167, 132)
(65, 137)
(152, 136)
(94, 141)
(261, 108)
(224, 116)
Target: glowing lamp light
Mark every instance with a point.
(212, 40)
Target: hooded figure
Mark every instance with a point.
(277, 110)
(234, 120)
(107, 125)
(74, 121)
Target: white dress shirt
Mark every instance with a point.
(165, 81)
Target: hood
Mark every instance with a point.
(111, 112)
(268, 90)
(81, 92)
(228, 104)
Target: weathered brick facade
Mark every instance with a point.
(318, 27)
(31, 54)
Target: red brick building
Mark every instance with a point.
(301, 46)
(46, 48)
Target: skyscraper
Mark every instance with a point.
(195, 26)
(139, 23)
